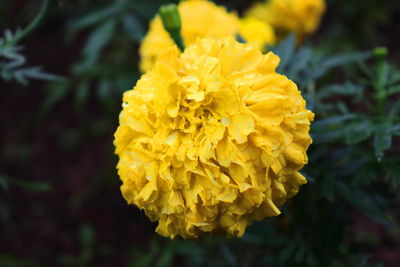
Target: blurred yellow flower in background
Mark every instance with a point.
(211, 139)
(200, 18)
(299, 16)
(257, 32)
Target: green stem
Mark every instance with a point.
(34, 23)
(380, 82)
(172, 23)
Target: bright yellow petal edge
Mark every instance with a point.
(212, 139)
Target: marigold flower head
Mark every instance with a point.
(211, 139)
(257, 32)
(299, 16)
(200, 19)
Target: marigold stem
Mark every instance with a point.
(380, 54)
(172, 23)
(34, 23)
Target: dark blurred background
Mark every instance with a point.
(60, 203)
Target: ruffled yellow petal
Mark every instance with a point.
(212, 139)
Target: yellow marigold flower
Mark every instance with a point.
(257, 32)
(212, 139)
(200, 18)
(299, 16)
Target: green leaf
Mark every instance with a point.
(328, 188)
(382, 142)
(393, 177)
(300, 255)
(358, 131)
(29, 185)
(228, 255)
(338, 60)
(394, 110)
(285, 51)
(133, 28)
(97, 41)
(286, 253)
(145, 258)
(81, 94)
(328, 136)
(22, 75)
(393, 90)
(363, 202)
(366, 176)
(165, 260)
(3, 182)
(346, 89)
(363, 261)
(13, 261)
(97, 16)
(87, 236)
(322, 124)
(104, 90)
(383, 75)
(395, 130)
(300, 61)
(11, 63)
(56, 92)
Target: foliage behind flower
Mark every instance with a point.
(212, 139)
(299, 16)
(200, 18)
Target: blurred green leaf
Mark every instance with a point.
(346, 89)
(300, 61)
(165, 259)
(358, 131)
(133, 27)
(363, 202)
(81, 94)
(13, 261)
(24, 74)
(320, 125)
(97, 40)
(393, 90)
(286, 253)
(328, 188)
(56, 92)
(382, 142)
(395, 130)
(97, 16)
(3, 182)
(33, 186)
(87, 237)
(382, 75)
(338, 60)
(145, 258)
(228, 255)
(285, 51)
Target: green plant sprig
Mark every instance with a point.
(33, 25)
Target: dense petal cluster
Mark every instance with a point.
(299, 16)
(212, 139)
(257, 32)
(200, 19)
